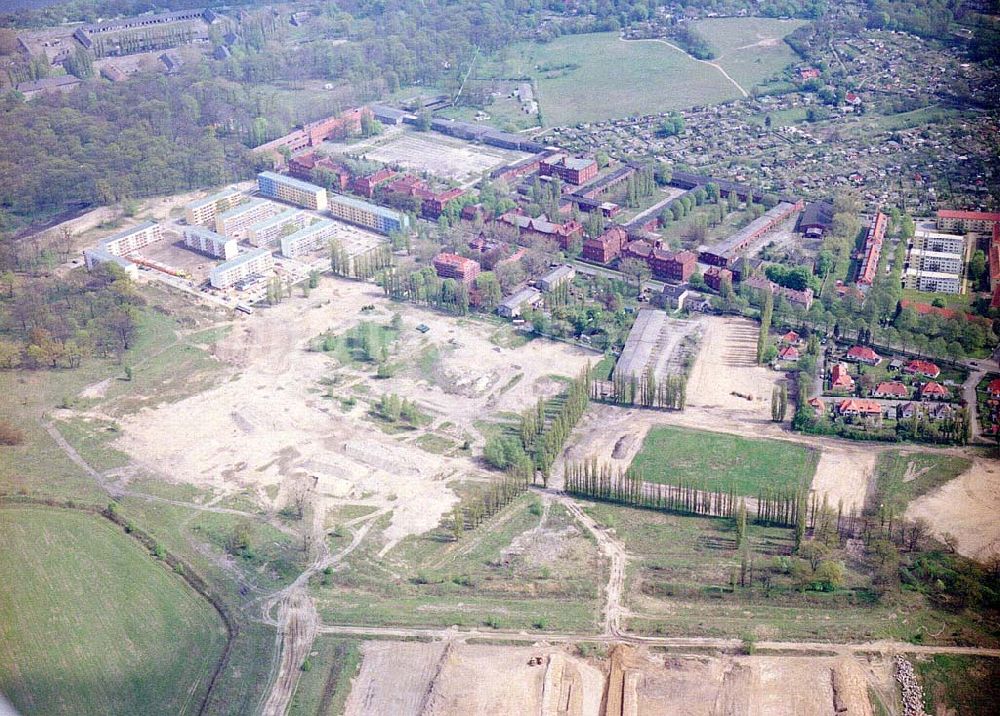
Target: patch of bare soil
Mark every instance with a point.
(844, 473)
(725, 376)
(966, 507)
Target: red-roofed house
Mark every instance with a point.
(890, 389)
(993, 389)
(863, 354)
(809, 73)
(963, 221)
(934, 391)
(859, 407)
(818, 405)
(789, 353)
(922, 367)
(840, 379)
(791, 338)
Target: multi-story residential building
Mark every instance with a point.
(95, 256)
(269, 231)
(292, 190)
(370, 216)
(129, 240)
(242, 269)
(235, 222)
(932, 281)
(936, 261)
(971, 221)
(309, 238)
(606, 247)
(457, 267)
(925, 240)
(210, 243)
(872, 251)
(565, 233)
(573, 170)
(203, 211)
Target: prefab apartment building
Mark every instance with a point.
(238, 220)
(292, 190)
(129, 240)
(268, 232)
(244, 267)
(370, 216)
(308, 239)
(203, 211)
(205, 241)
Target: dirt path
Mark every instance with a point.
(710, 63)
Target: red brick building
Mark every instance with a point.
(456, 267)
(307, 166)
(714, 276)
(564, 234)
(366, 186)
(606, 247)
(572, 170)
(670, 265)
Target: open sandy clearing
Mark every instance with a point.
(268, 423)
(844, 473)
(459, 679)
(967, 507)
(727, 364)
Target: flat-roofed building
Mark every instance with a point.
(515, 305)
(129, 240)
(97, 256)
(932, 281)
(269, 231)
(309, 238)
(370, 216)
(235, 222)
(242, 269)
(202, 212)
(292, 190)
(973, 221)
(457, 267)
(206, 241)
(925, 240)
(936, 261)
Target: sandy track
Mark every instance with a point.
(844, 473)
(967, 507)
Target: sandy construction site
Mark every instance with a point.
(458, 678)
(267, 424)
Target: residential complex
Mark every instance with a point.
(114, 248)
(936, 263)
(369, 216)
(292, 190)
(308, 239)
(967, 221)
(210, 243)
(456, 267)
(235, 222)
(269, 231)
(203, 211)
(242, 270)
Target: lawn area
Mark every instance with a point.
(91, 623)
(325, 682)
(522, 569)
(959, 684)
(750, 49)
(630, 78)
(675, 456)
(902, 477)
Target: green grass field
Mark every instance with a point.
(719, 462)
(959, 684)
(750, 49)
(90, 623)
(905, 477)
(325, 683)
(597, 76)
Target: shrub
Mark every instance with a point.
(9, 435)
(749, 644)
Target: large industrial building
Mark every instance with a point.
(292, 190)
(726, 253)
(203, 211)
(370, 216)
(243, 269)
(269, 231)
(308, 239)
(208, 242)
(238, 220)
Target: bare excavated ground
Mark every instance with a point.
(967, 507)
(267, 423)
(459, 679)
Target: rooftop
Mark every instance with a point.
(290, 181)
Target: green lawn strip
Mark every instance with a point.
(325, 682)
(926, 472)
(93, 624)
(959, 684)
(717, 461)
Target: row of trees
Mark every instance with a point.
(669, 393)
(362, 266)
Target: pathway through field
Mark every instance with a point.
(710, 63)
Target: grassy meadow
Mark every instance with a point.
(750, 49)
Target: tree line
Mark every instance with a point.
(669, 393)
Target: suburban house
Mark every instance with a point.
(859, 408)
(941, 411)
(863, 354)
(906, 411)
(791, 339)
(789, 353)
(922, 367)
(890, 389)
(993, 388)
(840, 379)
(934, 391)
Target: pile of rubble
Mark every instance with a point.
(913, 694)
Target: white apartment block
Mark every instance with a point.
(244, 268)
(932, 281)
(309, 239)
(130, 240)
(269, 231)
(942, 243)
(94, 257)
(936, 261)
(210, 243)
(235, 222)
(291, 190)
(203, 211)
